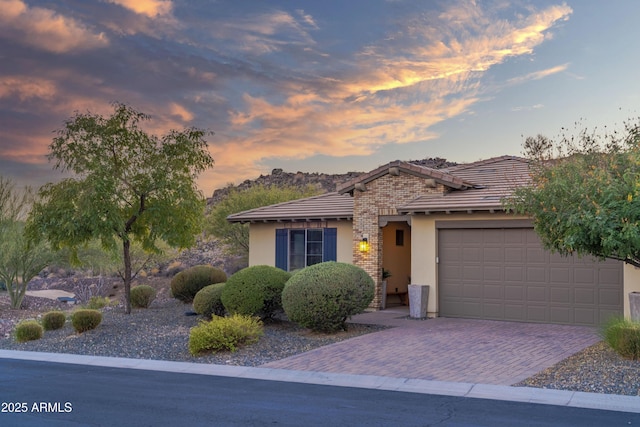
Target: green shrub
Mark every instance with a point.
(28, 330)
(186, 284)
(255, 291)
(224, 333)
(53, 320)
(85, 319)
(96, 302)
(142, 296)
(623, 336)
(208, 302)
(323, 296)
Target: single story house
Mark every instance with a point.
(448, 229)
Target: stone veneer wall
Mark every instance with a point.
(381, 197)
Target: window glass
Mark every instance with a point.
(305, 248)
(296, 249)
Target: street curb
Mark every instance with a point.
(609, 402)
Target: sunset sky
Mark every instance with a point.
(316, 86)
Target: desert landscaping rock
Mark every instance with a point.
(161, 332)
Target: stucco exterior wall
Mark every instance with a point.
(631, 284)
(262, 241)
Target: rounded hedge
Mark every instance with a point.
(255, 291)
(86, 319)
(142, 296)
(323, 296)
(208, 302)
(186, 284)
(28, 330)
(52, 320)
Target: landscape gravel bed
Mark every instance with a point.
(596, 369)
(161, 332)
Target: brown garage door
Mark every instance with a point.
(505, 274)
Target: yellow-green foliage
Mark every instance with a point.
(207, 301)
(53, 320)
(96, 303)
(85, 319)
(255, 291)
(624, 337)
(28, 330)
(323, 296)
(224, 333)
(235, 236)
(142, 296)
(186, 284)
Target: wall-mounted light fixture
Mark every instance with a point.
(364, 243)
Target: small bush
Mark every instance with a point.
(208, 302)
(28, 330)
(323, 296)
(142, 296)
(186, 284)
(224, 333)
(85, 319)
(96, 302)
(255, 291)
(623, 336)
(53, 320)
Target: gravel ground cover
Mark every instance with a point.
(161, 332)
(596, 369)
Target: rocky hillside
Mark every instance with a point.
(324, 182)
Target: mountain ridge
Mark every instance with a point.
(325, 183)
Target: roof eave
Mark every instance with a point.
(458, 209)
(291, 219)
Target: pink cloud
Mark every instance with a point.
(150, 8)
(45, 29)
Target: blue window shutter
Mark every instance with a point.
(330, 244)
(281, 248)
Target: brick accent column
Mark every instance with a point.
(381, 197)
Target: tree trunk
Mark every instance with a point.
(126, 252)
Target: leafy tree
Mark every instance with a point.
(20, 258)
(236, 236)
(94, 261)
(584, 195)
(127, 186)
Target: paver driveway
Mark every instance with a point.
(446, 349)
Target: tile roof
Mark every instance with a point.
(493, 180)
(323, 207)
(439, 175)
(478, 186)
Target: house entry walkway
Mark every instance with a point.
(446, 349)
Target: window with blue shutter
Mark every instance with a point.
(282, 236)
(299, 248)
(330, 244)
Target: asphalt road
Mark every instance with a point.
(53, 394)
